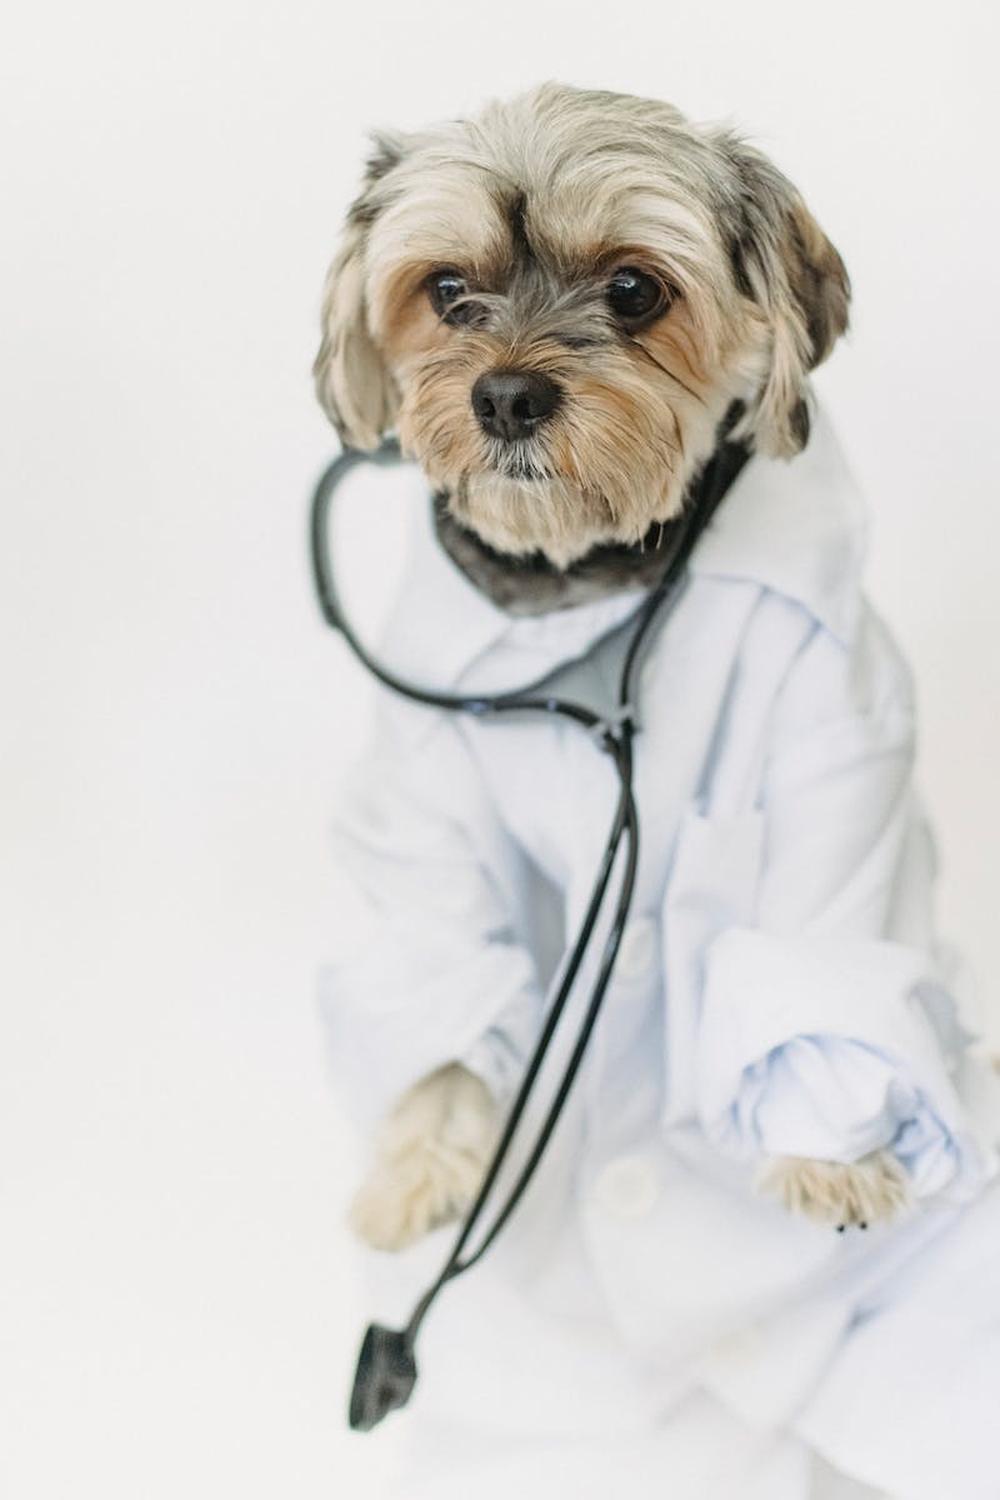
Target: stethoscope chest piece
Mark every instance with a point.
(384, 1379)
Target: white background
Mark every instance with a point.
(176, 1307)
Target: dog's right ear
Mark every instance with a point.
(352, 383)
(783, 262)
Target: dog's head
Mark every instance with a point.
(556, 304)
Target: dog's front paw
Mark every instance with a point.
(431, 1153)
(861, 1192)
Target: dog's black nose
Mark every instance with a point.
(510, 404)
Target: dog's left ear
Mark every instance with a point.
(784, 262)
(352, 383)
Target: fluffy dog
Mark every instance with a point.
(556, 305)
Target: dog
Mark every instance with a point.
(558, 305)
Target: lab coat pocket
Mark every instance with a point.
(712, 885)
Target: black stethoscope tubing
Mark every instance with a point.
(386, 1374)
(478, 704)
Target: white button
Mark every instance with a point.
(638, 948)
(627, 1187)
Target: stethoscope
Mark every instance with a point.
(386, 1369)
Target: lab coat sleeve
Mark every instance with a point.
(828, 1028)
(432, 970)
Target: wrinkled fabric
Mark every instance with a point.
(781, 991)
(822, 1048)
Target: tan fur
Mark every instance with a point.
(606, 180)
(861, 1193)
(430, 1156)
(352, 382)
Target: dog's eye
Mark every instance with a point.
(444, 288)
(635, 297)
(450, 299)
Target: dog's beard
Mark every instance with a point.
(558, 517)
(524, 515)
(616, 459)
(526, 462)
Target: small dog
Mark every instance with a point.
(557, 345)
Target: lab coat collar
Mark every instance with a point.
(446, 632)
(797, 528)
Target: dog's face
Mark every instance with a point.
(557, 303)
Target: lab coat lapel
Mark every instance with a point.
(798, 528)
(440, 623)
(445, 633)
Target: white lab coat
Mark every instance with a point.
(780, 991)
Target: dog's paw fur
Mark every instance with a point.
(861, 1192)
(431, 1153)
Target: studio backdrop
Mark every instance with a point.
(178, 1309)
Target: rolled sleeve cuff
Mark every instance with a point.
(831, 1049)
(496, 1058)
(390, 1019)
